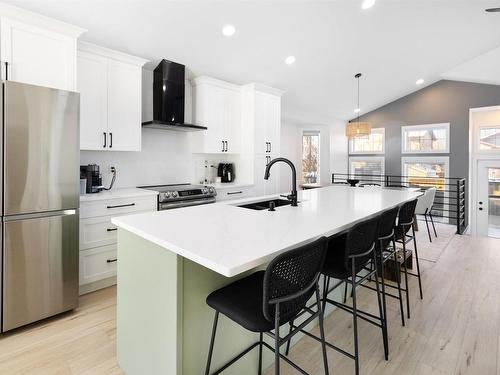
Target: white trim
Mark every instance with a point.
(445, 125)
(206, 80)
(365, 158)
(264, 89)
(351, 141)
(477, 140)
(35, 19)
(110, 53)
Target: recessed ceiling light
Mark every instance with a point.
(290, 60)
(367, 4)
(493, 10)
(228, 30)
(419, 81)
(357, 110)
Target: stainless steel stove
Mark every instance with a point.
(183, 195)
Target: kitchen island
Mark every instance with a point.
(169, 261)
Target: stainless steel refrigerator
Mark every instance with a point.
(40, 200)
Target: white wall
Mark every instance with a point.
(333, 149)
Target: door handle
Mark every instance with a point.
(104, 145)
(110, 140)
(122, 205)
(480, 208)
(480, 202)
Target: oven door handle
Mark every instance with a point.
(194, 202)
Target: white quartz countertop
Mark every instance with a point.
(117, 193)
(229, 239)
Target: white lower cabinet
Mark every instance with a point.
(97, 264)
(235, 192)
(98, 237)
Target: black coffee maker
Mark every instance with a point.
(226, 172)
(92, 174)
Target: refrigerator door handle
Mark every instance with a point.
(39, 215)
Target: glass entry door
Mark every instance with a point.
(488, 199)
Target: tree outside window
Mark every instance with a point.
(310, 157)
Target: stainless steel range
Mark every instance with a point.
(184, 195)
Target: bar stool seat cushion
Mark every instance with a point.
(241, 302)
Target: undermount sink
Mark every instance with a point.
(264, 205)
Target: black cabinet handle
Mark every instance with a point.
(222, 146)
(480, 202)
(270, 147)
(267, 146)
(234, 192)
(104, 145)
(110, 140)
(121, 205)
(111, 260)
(480, 208)
(226, 145)
(111, 229)
(6, 71)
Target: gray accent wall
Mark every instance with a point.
(442, 102)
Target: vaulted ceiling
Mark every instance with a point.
(393, 44)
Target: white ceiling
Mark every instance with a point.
(393, 44)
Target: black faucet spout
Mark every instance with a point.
(293, 196)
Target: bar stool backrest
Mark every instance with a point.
(407, 215)
(360, 240)
(386, 225)
(290, 279)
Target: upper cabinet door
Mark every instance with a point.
(37, 56)
(93, 88)
(124, 106)
(232, 120)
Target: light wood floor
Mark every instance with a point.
(454, 330)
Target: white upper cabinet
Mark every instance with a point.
(37, 50)
(217, 105)
(110, 89)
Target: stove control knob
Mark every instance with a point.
(167, 195)
(204, 191)
(174, 194)
(211, 189)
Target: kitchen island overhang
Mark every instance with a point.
(170, 261)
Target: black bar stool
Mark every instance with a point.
(406, 222)
(268, 299)
(348, 255)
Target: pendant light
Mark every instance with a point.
(357, 128)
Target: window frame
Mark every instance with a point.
(478, 139)
(363, 158)
(351, 146)
(310, 133)
(406, 128)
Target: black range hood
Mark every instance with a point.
(168, 98)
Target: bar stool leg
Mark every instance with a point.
(322, 331)
(212, 342)
(326, 285)
(418, 264)
(432, 221)
(345, 291)
(398, 280)
(260, 353)
(406, 276)
(383, 311)
(381, 307)
(277, 339)
(354, 317)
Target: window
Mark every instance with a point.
(360, 166)
(310, 157)
(433, 138)
(426, 171)
(368, 144)
(489, 138)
